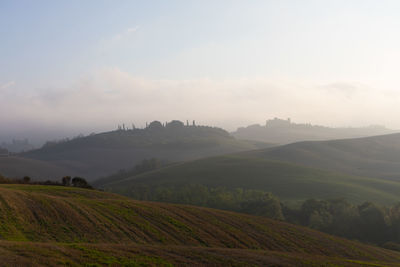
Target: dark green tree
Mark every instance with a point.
(373, 223)
(66, 180)
(26, 179)
(80, 182)
(266, 205)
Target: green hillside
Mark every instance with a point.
(287, 181)
(54, 225)
(102, 154)
(377, 156)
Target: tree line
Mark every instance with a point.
(366, 222)
(65, 181)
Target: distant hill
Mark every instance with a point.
(289, 182)
(58, 226)
(17, 146)
(376, 156)
(280, 131)
(105, 153)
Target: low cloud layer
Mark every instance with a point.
(7, 85)
(110, 96)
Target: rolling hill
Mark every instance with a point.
(58, 226)
(105, 153)
(281, 131)
(376, 156)
(289, 182)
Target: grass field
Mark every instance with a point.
(61, 254)
(288, 181)
(50, 225)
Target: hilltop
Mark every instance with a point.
(53, 225)
(376, 156)
(105, 153)
(281, 131)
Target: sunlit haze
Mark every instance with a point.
(86, 66)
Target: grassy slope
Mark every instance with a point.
(377, 156)
(45, 225)
(61, 254)
(287, 181)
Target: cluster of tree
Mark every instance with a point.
(155, 125)
(65, 181)
(366, 222)
(75, 182)
(63, 140)
(241, 200)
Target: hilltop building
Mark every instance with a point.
(276, 122)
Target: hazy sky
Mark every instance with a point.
(82, 66)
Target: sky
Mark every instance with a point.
(70, 67)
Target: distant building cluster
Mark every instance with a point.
(276, 122)
(281, 123)
(157, 125)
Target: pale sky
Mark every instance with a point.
(80, 66)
